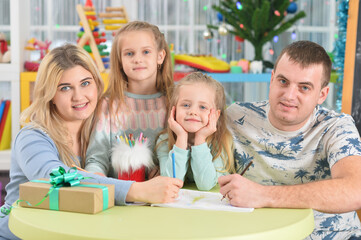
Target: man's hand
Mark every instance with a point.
(242, 192)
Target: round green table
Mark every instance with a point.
(145, 222)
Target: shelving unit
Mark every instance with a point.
(10, 72)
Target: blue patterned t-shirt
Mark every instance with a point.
(289, 158)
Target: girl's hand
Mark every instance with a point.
(209, 129)
(157, 190)
(182, 135)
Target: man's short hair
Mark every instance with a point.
(308, 53)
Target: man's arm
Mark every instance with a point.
(340, 194)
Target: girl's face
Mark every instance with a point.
(193, 107)
(76, 95)
(140, 58)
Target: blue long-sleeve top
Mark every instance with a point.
(33, 156)
(195, 164)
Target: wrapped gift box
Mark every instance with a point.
(79, 199)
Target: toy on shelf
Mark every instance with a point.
(206, 63)
(87, 35)
(5, 53)
(115, 17)
(256, 67)
(244, 63)
(32, 45)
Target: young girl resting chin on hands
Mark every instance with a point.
(197, 135)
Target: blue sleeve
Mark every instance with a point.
(181, 157)
(205, 171)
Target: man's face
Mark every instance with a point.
(294, 94)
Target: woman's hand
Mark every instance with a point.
(202, 134)
(157, 190)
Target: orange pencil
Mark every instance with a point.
(79, 168)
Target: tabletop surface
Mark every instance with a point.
(145, 222)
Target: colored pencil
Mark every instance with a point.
(173, 161)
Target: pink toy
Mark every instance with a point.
(35, 44)
(244, 64)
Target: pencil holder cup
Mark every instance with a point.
(133, 175)
(131, 161)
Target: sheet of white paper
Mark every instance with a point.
(202, 200)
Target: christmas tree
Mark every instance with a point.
(258, 21)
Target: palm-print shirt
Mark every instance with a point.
(289, 158)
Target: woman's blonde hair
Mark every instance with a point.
(43, 114)
(221, 140)
(118, 80)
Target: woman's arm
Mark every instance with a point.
(37, 156)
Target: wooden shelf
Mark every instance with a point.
(5, 159)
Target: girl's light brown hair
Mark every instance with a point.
(43, 114)
(221, 141)
(118, 80)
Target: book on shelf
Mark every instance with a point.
(5, 127)
(2, 107)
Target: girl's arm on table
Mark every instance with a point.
(205, 171)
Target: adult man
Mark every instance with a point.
(304, 155)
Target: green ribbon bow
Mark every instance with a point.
(60, 178)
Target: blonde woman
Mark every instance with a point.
(66, 93)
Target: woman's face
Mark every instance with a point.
(76, 95)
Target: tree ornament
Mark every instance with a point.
(294, 35)
(256, 23)
(220, 16)
(207, 34)
(239, 39)
(292, 8)
(239, 5)
(222, 30)
(275, 38)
